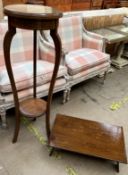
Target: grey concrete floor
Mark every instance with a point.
(89, 100)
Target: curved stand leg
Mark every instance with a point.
(7, 42)
(57, 43)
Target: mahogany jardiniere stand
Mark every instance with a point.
(31, 17)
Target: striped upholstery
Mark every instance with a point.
(21, 47)
(93, 41)
(70, 32)
(42, 91)
(83, 59)
(73, 37)
(91, 72)
(46, 50)
(23, 74)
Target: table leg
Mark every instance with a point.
(117, 167)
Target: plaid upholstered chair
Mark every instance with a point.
(82, 51)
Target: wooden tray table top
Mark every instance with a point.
(89, 138)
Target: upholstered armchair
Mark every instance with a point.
(82, 51)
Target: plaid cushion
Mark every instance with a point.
(41, 91)
(21, 47)
(70, 31)
(83, 59)
(46, 50)
(92, 40)
(92, 71)
(23, 74)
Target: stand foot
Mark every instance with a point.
(51, 152)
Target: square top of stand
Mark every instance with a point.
(89, 138)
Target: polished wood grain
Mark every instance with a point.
(96, 4)
(69, 5)
(80, 5)
(32, 17)
(123, 3)
(33, 107)
(8, 2)
(110, 4)
(89, 138)
(37, 2)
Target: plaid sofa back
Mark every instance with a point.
(21, 47)
(70, 31)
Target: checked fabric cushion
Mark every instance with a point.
(83, 59)
(23, 74)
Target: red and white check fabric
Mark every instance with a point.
(23, 74)
(91, 72)
(73, 36)
(92, 41)
(83, 59)
(21, 47)
(41, 90)
(70, 31)
(46, 50)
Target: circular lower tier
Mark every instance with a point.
(33, 107)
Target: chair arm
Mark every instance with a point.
(46, 49)
(93, 40)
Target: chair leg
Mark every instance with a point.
(68, 94)
(104, 77)
(3, 117)
(65, 96)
